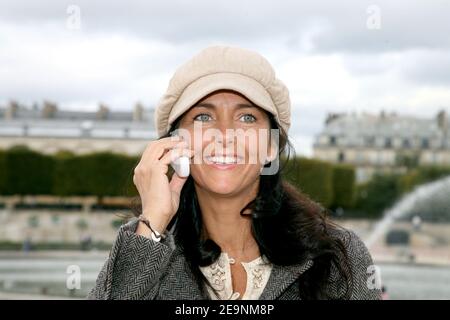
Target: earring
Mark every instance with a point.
(268, 160)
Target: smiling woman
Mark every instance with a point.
(225, 167)
(231, 230)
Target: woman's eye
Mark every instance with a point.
(202, 117)
(248, 118)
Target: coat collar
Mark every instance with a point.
(282, 277)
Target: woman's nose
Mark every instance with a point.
(226, 133)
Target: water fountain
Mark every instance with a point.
(406, 204)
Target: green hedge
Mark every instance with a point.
(344, 186)
(313, 177)
(100, 174)
(378, 194)
(421, 175)
(3, 185)
(23, 172)
(383, 190)
(26, 172)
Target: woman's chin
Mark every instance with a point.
(223, 186)
(221, 183)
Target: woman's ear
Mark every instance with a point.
(272, 152)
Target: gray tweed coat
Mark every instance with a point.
(140, 268)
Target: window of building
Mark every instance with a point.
(388, 143)
(332, 140)
(370, 141)
(406, 143)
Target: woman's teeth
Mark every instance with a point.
(223, 160)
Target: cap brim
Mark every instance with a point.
(203, 86)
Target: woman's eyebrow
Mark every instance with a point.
(212, 106)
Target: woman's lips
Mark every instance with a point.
(223, 166)
(226, 162)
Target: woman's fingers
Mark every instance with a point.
(177, 183)
(156, 149)
(174, 154)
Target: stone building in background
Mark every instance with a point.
(383, 142)
(47, 129)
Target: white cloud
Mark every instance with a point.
(325, 54)
(65, 65)
(319, 79)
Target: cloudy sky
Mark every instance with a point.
(334, 56)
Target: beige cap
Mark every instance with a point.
(223, 67)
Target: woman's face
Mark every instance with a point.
(230, 138)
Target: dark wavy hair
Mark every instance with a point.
(287, 225)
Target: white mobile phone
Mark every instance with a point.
(181, 166)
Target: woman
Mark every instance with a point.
(232, 229)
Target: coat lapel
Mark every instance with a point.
(282, 277)
(181, 283)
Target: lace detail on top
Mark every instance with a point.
(219, 276)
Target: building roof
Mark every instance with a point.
(386, 126)
(353, 129)
(76, 124)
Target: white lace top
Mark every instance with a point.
(219, 276)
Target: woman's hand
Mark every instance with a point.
(160, 199)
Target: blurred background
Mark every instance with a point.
(370, 89)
